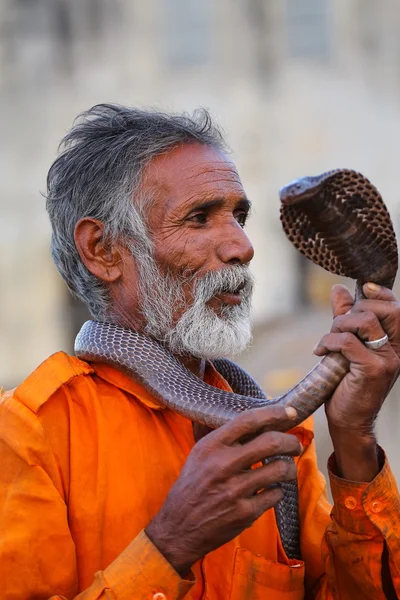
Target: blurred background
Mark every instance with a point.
(300, 86)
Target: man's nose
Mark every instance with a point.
(234, 246)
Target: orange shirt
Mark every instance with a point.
(86, 460)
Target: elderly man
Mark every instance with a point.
(106, 494)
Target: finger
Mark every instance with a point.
(341, 300)
(365, 325)
(250, 422)
(265, 500)
(262, 478)
(272, 443)
(382, 308)
(350, 346)
(387, 312)
(374, 291)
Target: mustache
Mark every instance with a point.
(233, 279)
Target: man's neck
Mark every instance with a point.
(193, 364)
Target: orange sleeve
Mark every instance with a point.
(342, 546)
(365, 517)
(140, 572)
(37, 552)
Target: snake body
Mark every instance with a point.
(339, 221)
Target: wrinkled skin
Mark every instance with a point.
(196, 223)
(215, 497)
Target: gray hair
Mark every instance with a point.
(98, 175)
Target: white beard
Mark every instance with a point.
(200, 331)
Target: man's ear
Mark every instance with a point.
(97, 254)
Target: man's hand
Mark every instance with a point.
(217, 494)
(355, 404)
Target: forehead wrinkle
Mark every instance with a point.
(164, 190)
(225, 172)
(209, 193)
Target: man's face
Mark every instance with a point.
(198, 272)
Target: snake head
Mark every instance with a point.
(339, 221)
(303, 189)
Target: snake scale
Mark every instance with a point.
(340, 222)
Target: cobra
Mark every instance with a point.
(340, 222)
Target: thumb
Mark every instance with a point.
(372, 291)
(341, 300)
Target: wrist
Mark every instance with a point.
(171, 547)
(356, 453)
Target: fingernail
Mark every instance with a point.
(373, 287)
(315, 348)
(291, 412)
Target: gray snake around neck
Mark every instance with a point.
(339, 221)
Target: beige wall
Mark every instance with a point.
(290, 103)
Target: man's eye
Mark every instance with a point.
(200, 218)
(241, 218)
